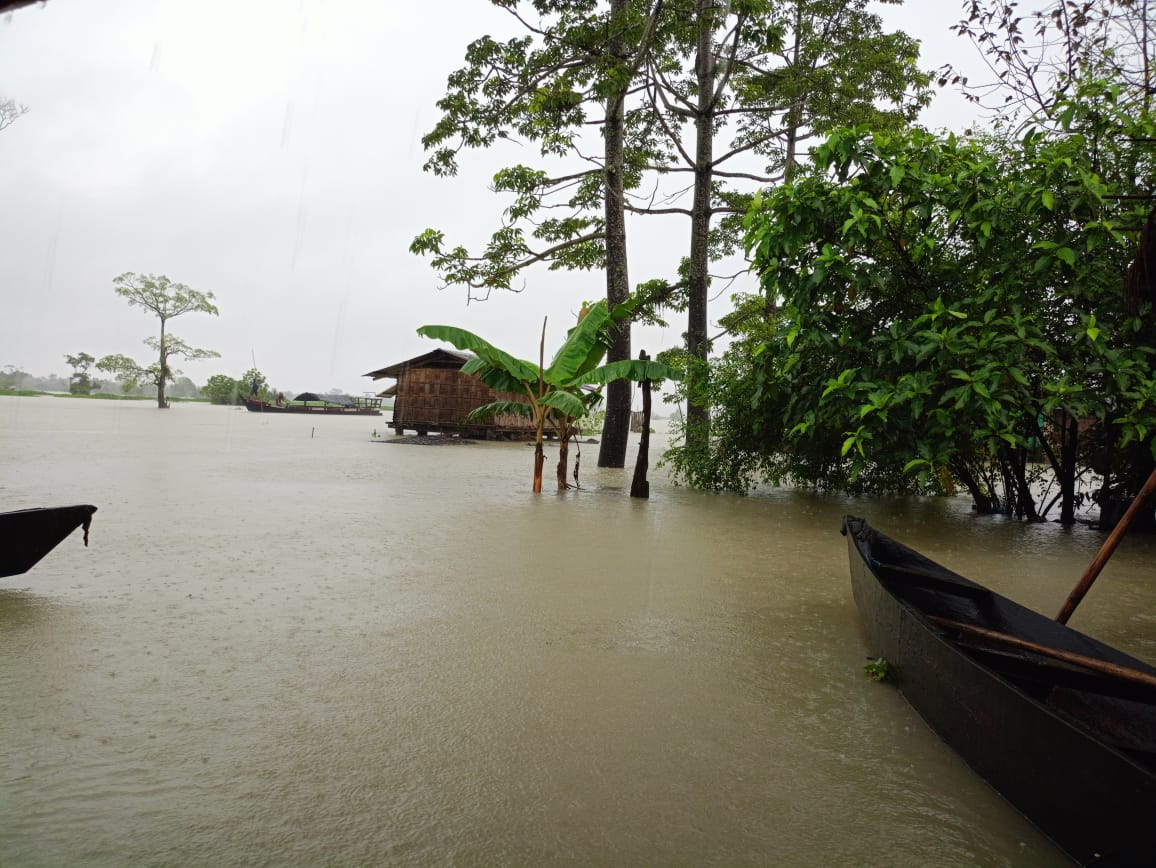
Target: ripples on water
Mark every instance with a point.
(290, 645)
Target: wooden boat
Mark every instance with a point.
(329, 405)
(1062, 725)
(27, 535)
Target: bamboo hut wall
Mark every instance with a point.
(441, 398)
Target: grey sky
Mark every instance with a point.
(269, 152)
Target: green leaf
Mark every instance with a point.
(566, 403)
(465, 340)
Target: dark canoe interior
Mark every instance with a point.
(1120, 712)
(27, 535)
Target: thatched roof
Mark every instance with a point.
(438, 358)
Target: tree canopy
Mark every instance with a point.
(941, 308)
(165, 300)
(661, 82)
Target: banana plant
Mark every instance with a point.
(561, 393)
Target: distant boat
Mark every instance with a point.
(311, 402)
(1063, 726)
(27, 535)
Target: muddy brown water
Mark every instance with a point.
(291, 644)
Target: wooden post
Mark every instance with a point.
(1105, 552)
(639, 487)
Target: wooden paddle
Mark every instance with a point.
(1125, 673)
(1109, 546)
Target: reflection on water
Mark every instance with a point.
(289, 644)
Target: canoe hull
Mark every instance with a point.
(27, 535)
(1096, 801)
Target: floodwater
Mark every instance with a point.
(291, 644)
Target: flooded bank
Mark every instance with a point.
(292, 644)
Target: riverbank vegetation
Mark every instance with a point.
(968, 309)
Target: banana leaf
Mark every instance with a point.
(628, 369)
(465, 340)
(584, 347)
(498, 408)
(564, 402)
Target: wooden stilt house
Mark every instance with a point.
(433, 395)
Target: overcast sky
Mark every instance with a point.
(269, 151)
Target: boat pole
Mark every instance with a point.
(1101, 560)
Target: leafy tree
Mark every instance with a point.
(183, 387)
(222, 389)
(945, 307)
(580, 57)
(558, 394)
(668, 74)
(165, 300)
(770, 75)
(80, 383)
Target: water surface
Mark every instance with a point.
(291, 644)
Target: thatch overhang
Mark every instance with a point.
(439, 358)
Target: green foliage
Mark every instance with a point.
(558, 394)
(878, 669)
(222, 389)
(933, 300)
(80, 383)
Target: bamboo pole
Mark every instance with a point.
(1105, 552)
(1115, 670)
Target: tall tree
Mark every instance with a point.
(166, 300)
(764, 77)
(579, 59)
(686, 71)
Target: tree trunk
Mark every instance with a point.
(563, 456)
(162, 403)
(1069, 443)
(616, 427)
(985, 503)
(539, 455)
(698, 270)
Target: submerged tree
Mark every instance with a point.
(165, 300)
(558, 394)
(571, 72)
(946, 308)
(722, 95)
(80, 383)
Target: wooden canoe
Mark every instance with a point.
(27, 535)
(1062, 725)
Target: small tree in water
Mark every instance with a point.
(557, 395)
(165, 299)
(80, 383)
